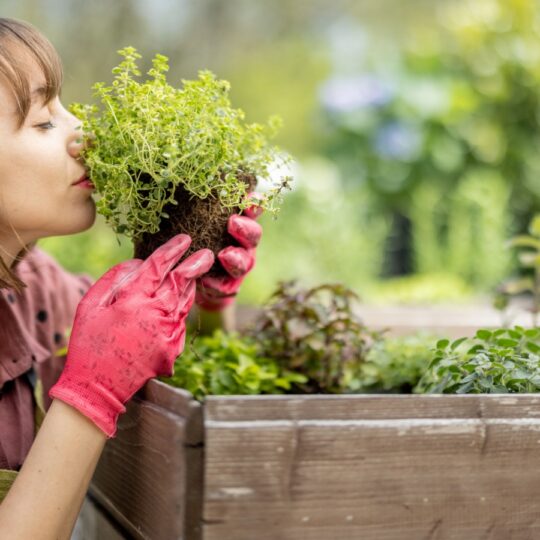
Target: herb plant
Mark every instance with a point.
(228, 364)
(148, 138)
(315, 332)
(393, 364)
(494, 361)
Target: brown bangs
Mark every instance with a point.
(15, 34)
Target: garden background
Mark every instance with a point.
(414, 128)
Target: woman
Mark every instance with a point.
(128, 327)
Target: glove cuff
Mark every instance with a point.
(97, 404)
(213, 304)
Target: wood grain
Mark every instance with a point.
(362, 467)
(370, 406)
(143, 475)
(372, 467)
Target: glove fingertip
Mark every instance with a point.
(203, 263)
(237, 261)
(245, 230)
(253, 212)
(196, 265)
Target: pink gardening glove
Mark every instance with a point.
(215, 293)
(129, 328)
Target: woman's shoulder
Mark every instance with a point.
(40, 317)
(47, 305)
(37, 263)
(43, 273)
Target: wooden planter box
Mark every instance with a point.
(362, 467)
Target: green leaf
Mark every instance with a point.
(519, 374)
(283, 383)
(468, 378)
(435, 361)
(463, 389)
(442, 344)
(505, 342)
(483, 334)
(486, 384)
(532, 332)
(457, 343)
(533, 347)
(514, 334)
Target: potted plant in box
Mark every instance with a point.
(168, 160)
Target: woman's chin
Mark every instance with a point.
(82, 221)
(87, 224)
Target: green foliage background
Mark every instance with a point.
(464, 77)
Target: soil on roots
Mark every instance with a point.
(204, 220)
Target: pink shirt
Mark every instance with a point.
(32, 329)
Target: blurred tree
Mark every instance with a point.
(459, 101)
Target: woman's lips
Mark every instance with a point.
(84, 182)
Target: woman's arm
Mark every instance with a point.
(207, 321)
(47, 495)
(136, 318)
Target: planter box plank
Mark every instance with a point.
(370, 407)
(434, 467)
(142, 477)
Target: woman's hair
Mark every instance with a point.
(16, 37)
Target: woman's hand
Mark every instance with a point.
(129, 328)
(215, 293)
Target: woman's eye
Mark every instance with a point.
(46, 125)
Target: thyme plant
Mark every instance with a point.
(146, 138)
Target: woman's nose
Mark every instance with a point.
(76, 143)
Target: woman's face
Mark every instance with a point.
(38, 167)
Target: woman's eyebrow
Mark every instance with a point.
(40, 91)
